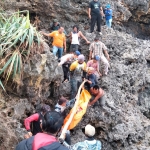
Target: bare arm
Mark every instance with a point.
(89, 13)
(102, 13)
(80, 34)
(90, 55)
(64, 45)
(45, 34)
(69, 35)
(95, 99)
(107, 55)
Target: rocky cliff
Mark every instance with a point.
(123, 124)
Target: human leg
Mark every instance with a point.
(102, 100)
(93, 21)
(55, 50)
(60, 52)
(65, 70)
(106, 65)
(99, 23)
(73, 84)
(108, 23)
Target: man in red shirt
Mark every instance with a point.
(36, 120)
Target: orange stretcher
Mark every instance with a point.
(80, 109)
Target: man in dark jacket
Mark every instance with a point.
(95, 12)
(47, 140)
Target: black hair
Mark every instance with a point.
(42, 108)
(96, 87)
(75, 26)
(53, 122)
(60, 102)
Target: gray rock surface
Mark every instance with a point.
(123, 124)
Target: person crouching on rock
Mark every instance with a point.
(66, 61)
(94, 63)
(97, 96)
(47, 140)
(63, 104)
(90, 143)
(90, 78)
(36, 120)
(78, 71)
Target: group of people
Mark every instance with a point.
(45, 126)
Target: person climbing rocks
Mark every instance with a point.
(99, 48)
(55, 25)
(95, 13)
(75, 35)
(35, 119)
(97, 96)
(89, 144)
(108, 15)
(77, 72)
(90, 78)
(59, 41)
(66, 61)
(63, 104)
(94, 63)
(51, 125)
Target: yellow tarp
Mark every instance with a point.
(81, 109)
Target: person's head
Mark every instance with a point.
(81, 58)
(97, 38)
(52, 122)
(75, 28)
(76, 53)
(90, 70)
(95, 89)
(96, 58)
(55, 22)
(108, 6)
(62, 101)
(89, 130)
(43, 108)
(61, 30)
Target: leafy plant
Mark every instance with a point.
(17, 41)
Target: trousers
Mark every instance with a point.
(94, 19)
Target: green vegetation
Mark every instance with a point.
(18, 39)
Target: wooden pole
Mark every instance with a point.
(62, 136)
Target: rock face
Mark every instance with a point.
(123, 124)
(133, 14)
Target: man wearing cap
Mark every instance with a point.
(66, 60)
(99, 48)
(59, 41)
(90, 143)
(95, 11)
(78, 71)
(55, 26)
(108, 15)
(94, 63)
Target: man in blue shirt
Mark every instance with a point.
(95, 12)
(108, 15)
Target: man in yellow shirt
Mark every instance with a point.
(78, 70)
(59, 41)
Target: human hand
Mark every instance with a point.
(89, 105)
(88, 42)
(108, 58)
(30, 134)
